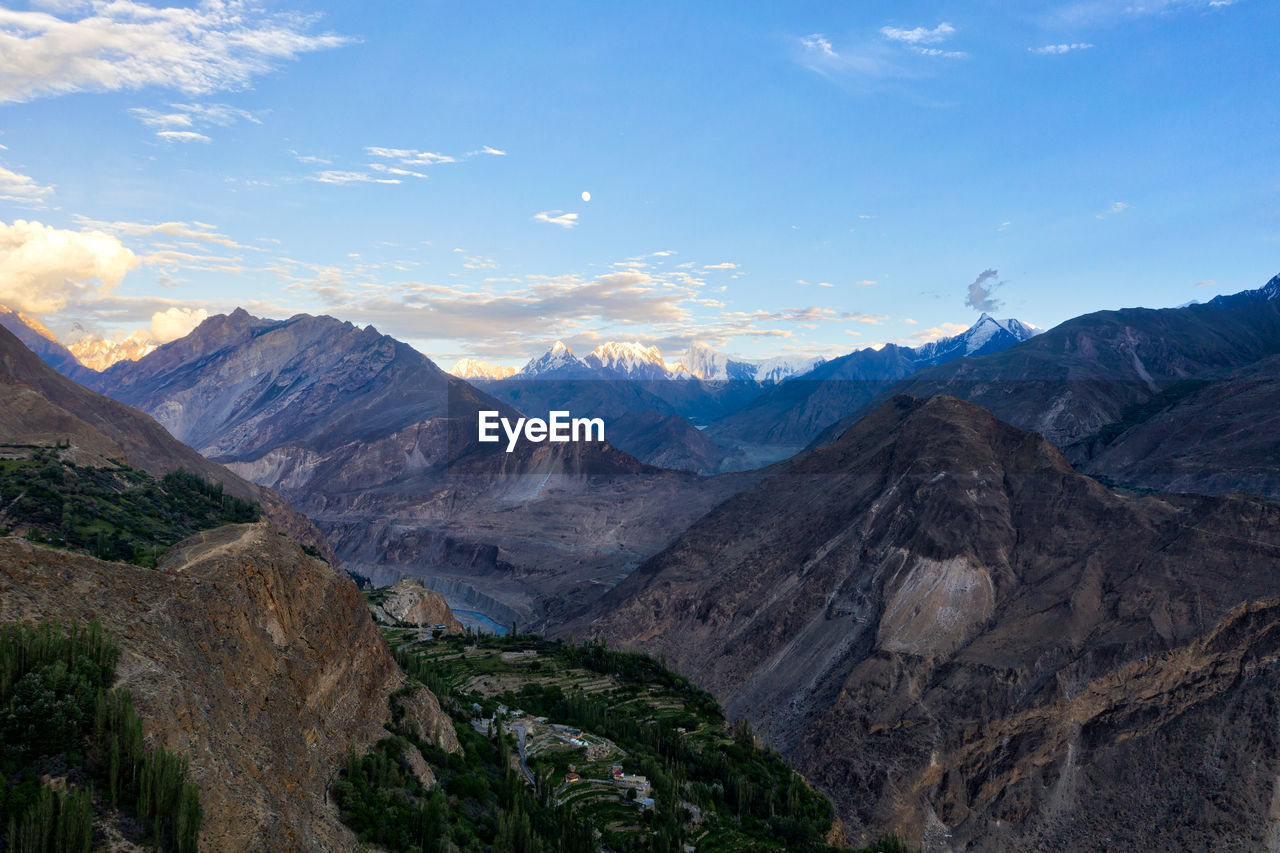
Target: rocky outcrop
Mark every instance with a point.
(411, 602)
(259, 663)
(957, 637)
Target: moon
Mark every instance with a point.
(586, 196)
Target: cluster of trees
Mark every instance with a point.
(119, 513)
(749, 797)
(478, 803)
(59, 717)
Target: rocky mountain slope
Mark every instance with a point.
(787, 417)
(953, 634)
(378, 446)
(41, 341)
(1211, 437)
(258, 662)
(410, 602)
(1085, 383)
(43, 407)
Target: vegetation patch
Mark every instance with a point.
(575, 748)
(72, 751)
(114, 513)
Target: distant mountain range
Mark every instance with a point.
(378, 446)
(1170, 398)
(785, 418)
(634, 360)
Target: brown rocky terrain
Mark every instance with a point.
(259, 663)
(958, 637)
(377, 446)
(409, 601)
(42, 407)
(1220, 436)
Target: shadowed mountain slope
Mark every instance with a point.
(955, 635)
(1085, 383)
(379, 447)
(43, 407)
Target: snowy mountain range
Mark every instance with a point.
(634, 360)
(986, 335)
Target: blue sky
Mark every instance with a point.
(770, 178)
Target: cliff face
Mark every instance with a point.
(259, 663)
(409, 601)
(956, 636)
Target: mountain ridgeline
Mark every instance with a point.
(1176, 398)
(956, 635)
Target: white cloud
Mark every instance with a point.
(945, 54)
(410, 156)
(23, 189)
(557, 217)
(44, 269)
(396, 170)
(818, 43)
(182, 136)
(919, 35)
(198, 231)
(174, 323)
(1206, 283)
(725, 265)
(817, 53)
(190, 116)
(110, 45)
(496, 152)
(1054, 49)
(341, 176)
(866, 282)
(1113, 209)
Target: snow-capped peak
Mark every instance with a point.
(558, 359)
(986, 335)
(631, 359)
(1271, 290)
(473, 368)
(706, 363)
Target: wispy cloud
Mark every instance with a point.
(344, 176)
(1114, 208)
(918, 39)
(557, 217)
(102, 46)
(1208, 282)
(1058, 49)
(817, 53)
(1094, 12)
(23, 189)
(182, 136)
(177, 122)
(410, 156)
(725, 265)
(980, 295)
(919, 35)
